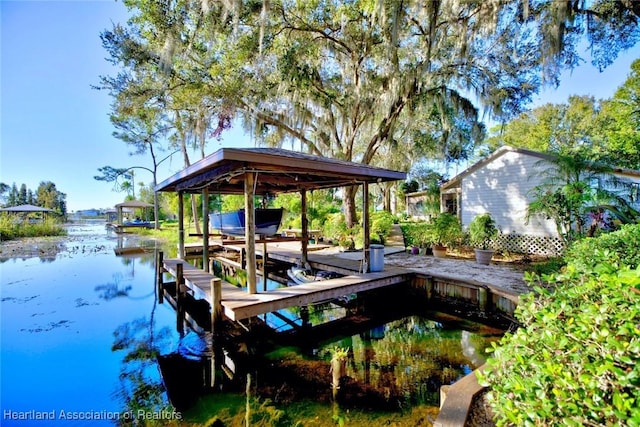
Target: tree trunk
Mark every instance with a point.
(194, 211)
(350, 214)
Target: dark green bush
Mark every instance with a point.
(381, 224)
(618, 248)
(574, 360)
(416, 234)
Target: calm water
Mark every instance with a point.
(68, 327)
(80, 332)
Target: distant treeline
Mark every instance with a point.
(46, 196)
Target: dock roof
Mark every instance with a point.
(278, 171)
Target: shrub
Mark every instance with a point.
(417, 234)
(446, 229)
(481, 230)
(574, 360)
(13, 228)
(618, 248)
(381, 224)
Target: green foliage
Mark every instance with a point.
(446, 229)
(619, 123)
(549, 266)
(381, 224)
(14, 228)
(574, 361)
(481, 230)
(232, 202)
(575, 189)
(417, 234)
(615, 249)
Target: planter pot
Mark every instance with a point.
(415, 250)
(483, 256)
(439, 251)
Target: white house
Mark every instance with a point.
(501, 185)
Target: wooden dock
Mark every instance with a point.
(237, 304)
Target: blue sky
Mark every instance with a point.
(55, 127)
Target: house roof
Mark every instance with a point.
(278, 171)
(456, 180)
(26, 208)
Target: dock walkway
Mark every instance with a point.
(238, 304)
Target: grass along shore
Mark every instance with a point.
(12, 228)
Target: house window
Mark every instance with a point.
(451, 205)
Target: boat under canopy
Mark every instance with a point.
(233, 223)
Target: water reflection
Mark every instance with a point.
(79, 333)
(85, 333)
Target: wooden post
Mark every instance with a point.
(484, 299)
(265, 259)
(159, 273)
(216, 325)
(216, 305)
(205, 229)
(250, 231)
(365, 227)
(179, 303)
(305, 227)
(180, 225)
(304, 316)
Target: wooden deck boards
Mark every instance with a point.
(238, 304)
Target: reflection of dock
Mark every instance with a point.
(122, 228)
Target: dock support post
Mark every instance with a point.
(205, 229)
(483, 300)
(216, 305)
(216, 325)
(250, 231)
(265, 260)
(180, 225)
(365, 228)
(429, 287)
(159, 273)
(180, 311)
(305, 227)
(304, 316)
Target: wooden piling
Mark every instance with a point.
(484, 300)
(216, 305)
(180, 310)
(159, 274)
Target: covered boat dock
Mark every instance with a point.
(266, 172)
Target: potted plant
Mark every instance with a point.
(482, 230)
(445, 230)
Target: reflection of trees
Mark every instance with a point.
(113, 289)
(140, 387)
(410, 362)
(117, 289)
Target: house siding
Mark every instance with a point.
(502, 188)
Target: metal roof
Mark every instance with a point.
(278, 171)
(134, 204)
(26, 208)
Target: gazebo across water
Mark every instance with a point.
(121, 225)
(130, 204)
(28, 209)
(269, 171)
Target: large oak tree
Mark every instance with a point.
(352, 80)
